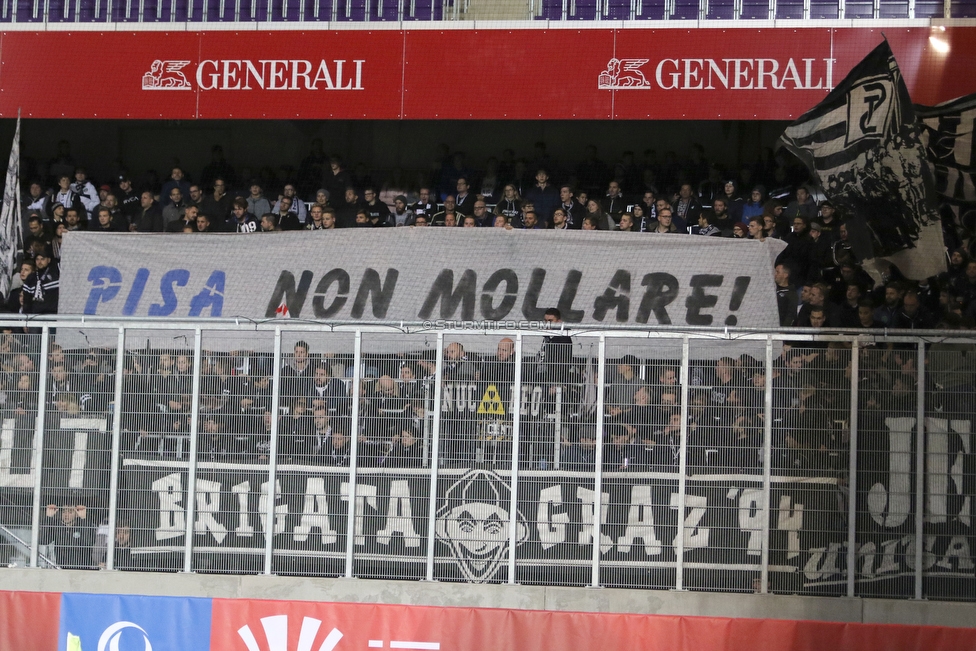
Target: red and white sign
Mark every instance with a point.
(699, 74)
(252, 625)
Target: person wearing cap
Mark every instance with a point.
(754, 206)
(402, 216)
(821, 250)
(829, 221)
(130, 202)
(42, 286)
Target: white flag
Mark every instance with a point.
(10, 216)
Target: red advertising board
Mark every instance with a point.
(259, 625)
(29, 620)
(627, 74)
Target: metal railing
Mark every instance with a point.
(271, 11)
(714, 459)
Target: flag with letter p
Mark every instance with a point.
(862, 145)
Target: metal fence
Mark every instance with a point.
(407, 11)
(718, 460)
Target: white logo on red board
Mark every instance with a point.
(623, 74)
(166, 75)
(276, 637)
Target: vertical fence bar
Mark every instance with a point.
(113, 480)
(191, 479)
(679, 539)
(920, 470)
(852, 470)
(598, 470)
(269, 525)
(767, 465)
(435, 448)
(357, 371)
(39, 446)
(516, 439)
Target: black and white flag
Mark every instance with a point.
(862, 145)
(10, 217)
(948, 133)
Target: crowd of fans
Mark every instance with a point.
(819, 280)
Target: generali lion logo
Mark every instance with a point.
(166, 75)
(623, 74)
(474, 522)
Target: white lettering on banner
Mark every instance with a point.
(244, 528)
(172, 518)
(586, 496)
(695, 535)
(365, 494)
(943, 472)
(733, 74)
(752, 506)
(640, 523)
(82, 428)
(399, 516)
(823, 562)
(315, 513)
(9, 479)
(890, 506)
(76, 476)
(550, 525)
(277, 74)
(280, 510)
(208, 505)
(790, 519)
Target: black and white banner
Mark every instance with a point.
(76, 457)
(948, 135)
(862, 145)
(722, 537)
(432, 274)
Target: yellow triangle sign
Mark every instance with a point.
(491, 403)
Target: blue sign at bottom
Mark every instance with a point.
(97, 622)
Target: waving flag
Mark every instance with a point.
(948, 133)
(10, 217)
(863, 146)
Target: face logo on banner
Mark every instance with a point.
(276, 635)
(623, 73)
(166, 75)
(473, 521)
